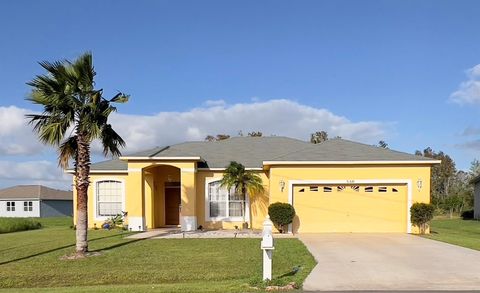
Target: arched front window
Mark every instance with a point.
(224, 203)
(109, 198)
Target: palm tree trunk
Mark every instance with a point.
(82, 182)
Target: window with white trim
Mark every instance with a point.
(10, 206)
(224, 203)
(27, 206)
(109, 198)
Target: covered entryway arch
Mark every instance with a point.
(150, 185)
(163, 196)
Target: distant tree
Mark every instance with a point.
(383, 144)
(222, 136)
(255, 134)
(318, 137)
(453, 204)
(462, 188)
(475, 168)
(217, 137)
(210, 138)
(442, 175)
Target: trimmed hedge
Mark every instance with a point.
(421, 214)
(281, 215)
(8, 225)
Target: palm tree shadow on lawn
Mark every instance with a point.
(71, 245)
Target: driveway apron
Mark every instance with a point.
(389, 262)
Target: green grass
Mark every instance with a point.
(31, 259)
(8, 225)
(56, 222)
(460, 232)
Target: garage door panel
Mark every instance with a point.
(350, 208)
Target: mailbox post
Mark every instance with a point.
(267, 247)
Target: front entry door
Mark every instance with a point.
(172, 205)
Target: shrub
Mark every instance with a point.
(467, 215)
(421, 214)
(8, 225)
(113, 222)
(281, 215)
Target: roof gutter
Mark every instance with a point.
(160, 158)
(414, 162)
(100, 171)
(223, 169)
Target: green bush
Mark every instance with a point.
(281, 215)
(8, 225)
(421, 214)
(467, 215)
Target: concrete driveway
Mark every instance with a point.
(389, 262)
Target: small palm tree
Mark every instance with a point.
(245, 182)
(74, 114)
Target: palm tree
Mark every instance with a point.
(245, 182)
(74, 114)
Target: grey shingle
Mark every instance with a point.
(345, 150)
(115, 164)
(253, 151)
(36, 192)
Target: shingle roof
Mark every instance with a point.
(346, 150)
(35, 192)
(253, 151)
(114, 164)
(249, 151)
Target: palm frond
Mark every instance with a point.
(66, 93)
(120, 98)
(67, 151)
(111, 141)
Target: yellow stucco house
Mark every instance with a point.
(335, 186)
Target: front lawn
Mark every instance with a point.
(456, 231)
(31, 259)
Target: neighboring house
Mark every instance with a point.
(476, 197)
(335, 186)
(35, 201)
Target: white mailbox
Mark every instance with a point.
(267, 241)
(267, 246)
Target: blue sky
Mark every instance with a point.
(365, 70)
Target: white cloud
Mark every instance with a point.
(16, 136)
(273, 117)
(469, 90)
(33, 172)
